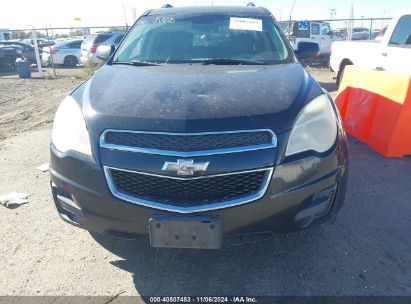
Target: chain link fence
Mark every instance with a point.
(325, 32)
(62, 48)
(58, 48)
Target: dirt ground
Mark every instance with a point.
(27, 104)
(366, 252)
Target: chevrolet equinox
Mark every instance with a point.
(201, 129)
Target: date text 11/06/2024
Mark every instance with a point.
(236, 299)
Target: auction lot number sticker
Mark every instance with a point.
(246, 24)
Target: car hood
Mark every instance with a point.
(195, 98)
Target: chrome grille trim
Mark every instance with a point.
(106, 145)
(201, 208)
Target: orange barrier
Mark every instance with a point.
(376, 108)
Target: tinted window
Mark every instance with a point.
(74, 44)
(402, 32)
(315, 29)
(60, 45)
(118, 39)
(89, 39)
(102, 38)
(181, 39)
(325, 29)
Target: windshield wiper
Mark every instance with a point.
(231, 61)
(136, 63)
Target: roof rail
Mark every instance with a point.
(250, 4)
(167, 6)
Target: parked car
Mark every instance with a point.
(66, 53)
(24, 50)
(381, 33)
(358, 33)
(90, 44)
(41, 42)
(374, 34)
(8, 56)
(390, 52)
(86, 46)
(201, 125)
(310, 31)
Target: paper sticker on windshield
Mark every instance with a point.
(246, 24)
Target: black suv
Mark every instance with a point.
(201, 128)
(23, 50)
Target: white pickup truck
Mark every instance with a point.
(392, 52)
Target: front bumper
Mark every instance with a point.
(302, 193)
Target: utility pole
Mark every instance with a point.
(51, 54)
(125, 15)
(51, 28)
(333, 12)
(133, 10)
(350, 24)
(36, 48)
(289, 23)
(292, 9)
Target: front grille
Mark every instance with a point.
(189, 142)
(187, 193)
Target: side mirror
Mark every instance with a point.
(104, 52)
(307, 50)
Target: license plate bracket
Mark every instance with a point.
(186, 232)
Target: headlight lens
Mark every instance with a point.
(69, 128)
(315, 128)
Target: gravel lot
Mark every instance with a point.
(366, 252)
(31, 103)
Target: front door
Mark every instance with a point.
(315, 33)
(325, 38)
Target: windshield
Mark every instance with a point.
(180, 39)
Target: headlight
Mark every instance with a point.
(69, 128)
(315, 128)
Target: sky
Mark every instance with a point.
(24, 14)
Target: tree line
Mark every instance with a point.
(73, 33)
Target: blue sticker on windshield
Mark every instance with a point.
(303, 25)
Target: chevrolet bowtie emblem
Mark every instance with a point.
(185, 167)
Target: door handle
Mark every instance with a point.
(385, 54)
